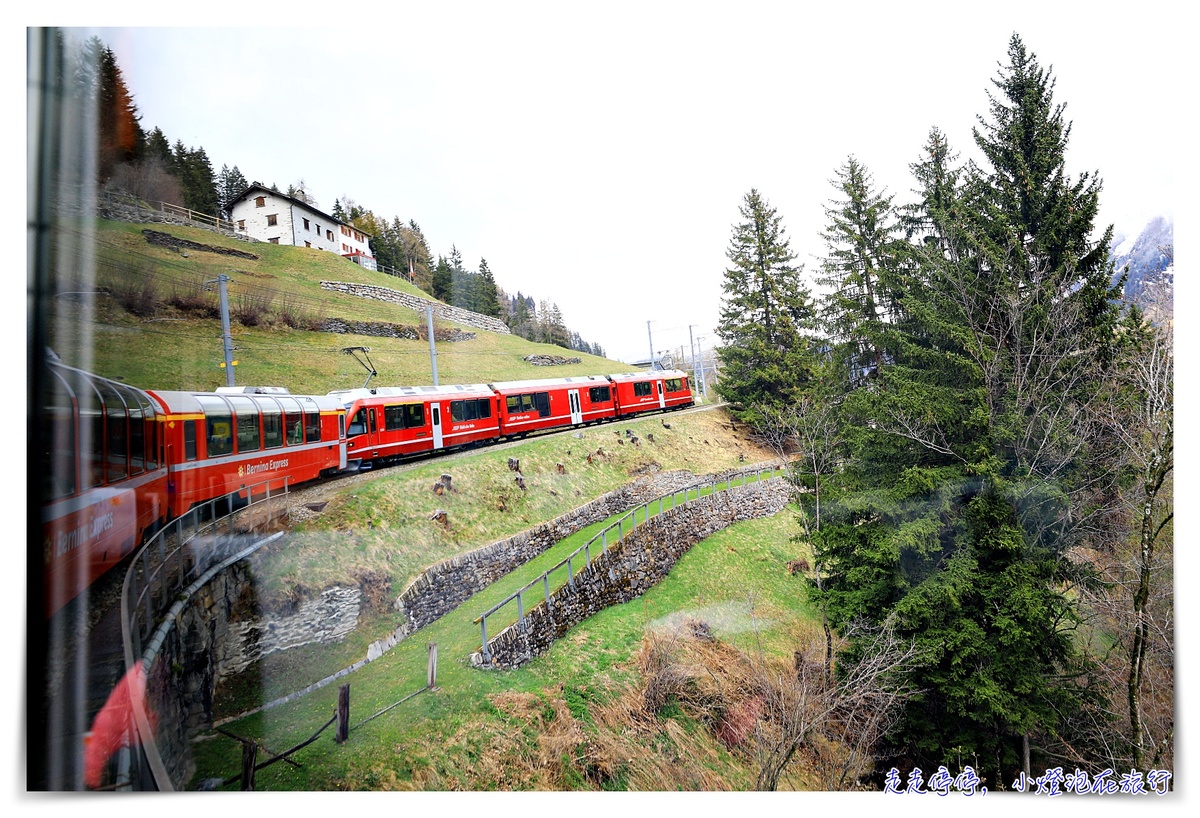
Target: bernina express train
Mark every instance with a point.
(123, 461)
(388, 423)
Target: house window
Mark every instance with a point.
(306, 224)
(329, 234)
(274, 240)
(272, 220)
(261, 201)
(241, 224)
(308, 244)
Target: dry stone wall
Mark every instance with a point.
(412, 302)
(629, 568)
(443, 587)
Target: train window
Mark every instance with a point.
(464, 410)
(659, 383)
(189, 440)
(218, 426)
(600, 394)
(542, 400)
(59, 461)
(137, 441)
(116, 433)
(312, 427)
(292, 424)
(485, 407)
(674, 385)
(272, 424)
(414, 416)
(642, 389)
(403, 416)
(513, 402)
(249, 434)
(358, 423)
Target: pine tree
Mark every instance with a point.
(414, 254)
(974, 461)
(486, 302)
(442, 280)
(860, 269)
(765, 306)
(230, 184)
(120, 138)
(197, 179)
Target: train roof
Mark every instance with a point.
(651, 375)
(451, 391)
(187, 401)
(542, 383)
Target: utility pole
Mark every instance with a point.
(432, 348)
(703, 385)
(692, 347)
(226, 337)
(651, 340)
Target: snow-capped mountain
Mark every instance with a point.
(1149, 258)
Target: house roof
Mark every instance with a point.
(256, 187)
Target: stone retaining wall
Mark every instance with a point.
(377, 329)
(443, 587)
(629, 568)
(420, 305)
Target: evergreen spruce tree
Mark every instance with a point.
(973, 460)
(442, 280)
(860, 270)
(414, 254)
(197, 179)
(765, 306)
(485, 300)
(230, 184)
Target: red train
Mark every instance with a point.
(389, 423)
(124, 461)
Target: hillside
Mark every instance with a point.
(158, 326)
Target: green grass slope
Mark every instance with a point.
(156, 326)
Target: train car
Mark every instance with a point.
(249, 438)
(639, 392)
(526, 406)
(388, 423)
(105, 478)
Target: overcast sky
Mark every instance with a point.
(596, 155)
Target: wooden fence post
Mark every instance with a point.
(431, 672)
(343, 714)
(249, 759)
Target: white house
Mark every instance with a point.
(268, 215)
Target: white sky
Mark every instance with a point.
(596, 155)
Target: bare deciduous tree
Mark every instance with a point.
(838, 721)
